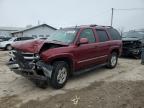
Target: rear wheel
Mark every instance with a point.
(112, 62)
(59, 75)
(8, 47)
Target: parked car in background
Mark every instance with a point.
(65, 52)
(4, 38)
(7, 43)
(133, 42)
(40, 37)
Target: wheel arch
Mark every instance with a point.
(115, 50)
(68, 60)
(7, 45)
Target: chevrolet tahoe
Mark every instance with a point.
(67, 51)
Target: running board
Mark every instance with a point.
(88, 69)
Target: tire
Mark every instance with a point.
(60, 74)
(8, 47)
(112, 61)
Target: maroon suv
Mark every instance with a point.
(66, 51)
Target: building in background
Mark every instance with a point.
(6, 31)
(41, 31)
(142, 30)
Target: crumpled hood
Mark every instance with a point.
(32, 46)
(130, 39)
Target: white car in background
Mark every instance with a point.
(7, 44)
(44, 37)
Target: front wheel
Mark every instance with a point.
(59, 75)
(112, 61)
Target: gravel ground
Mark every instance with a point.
(122, 87)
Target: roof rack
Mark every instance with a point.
(94, 25)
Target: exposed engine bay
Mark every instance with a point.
(47, 46)
(132, 48)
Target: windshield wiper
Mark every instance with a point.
(57, 40)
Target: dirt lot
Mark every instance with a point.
(122, 87)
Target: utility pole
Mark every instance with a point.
(112, 16)
(38, 22)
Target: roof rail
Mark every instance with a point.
(94, 25)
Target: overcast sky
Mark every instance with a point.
(63, 13)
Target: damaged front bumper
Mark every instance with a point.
(35, 69)
(131, 51)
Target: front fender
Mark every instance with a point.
(119, 48)
(51, 58)
(62, 55)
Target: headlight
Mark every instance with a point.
(136, 50)
(37, 56)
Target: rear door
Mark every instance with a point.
(103, 45)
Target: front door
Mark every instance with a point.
(86, 53)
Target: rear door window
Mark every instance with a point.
(102, 35)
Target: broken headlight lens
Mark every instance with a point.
(37, 56)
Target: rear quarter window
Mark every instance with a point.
(114, 34)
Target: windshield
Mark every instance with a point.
(63, 35)
(12, 39)
(7, 39)
(134, 34)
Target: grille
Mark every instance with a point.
(127, 44)
(27, 56)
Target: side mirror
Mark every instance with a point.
(83, 41)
